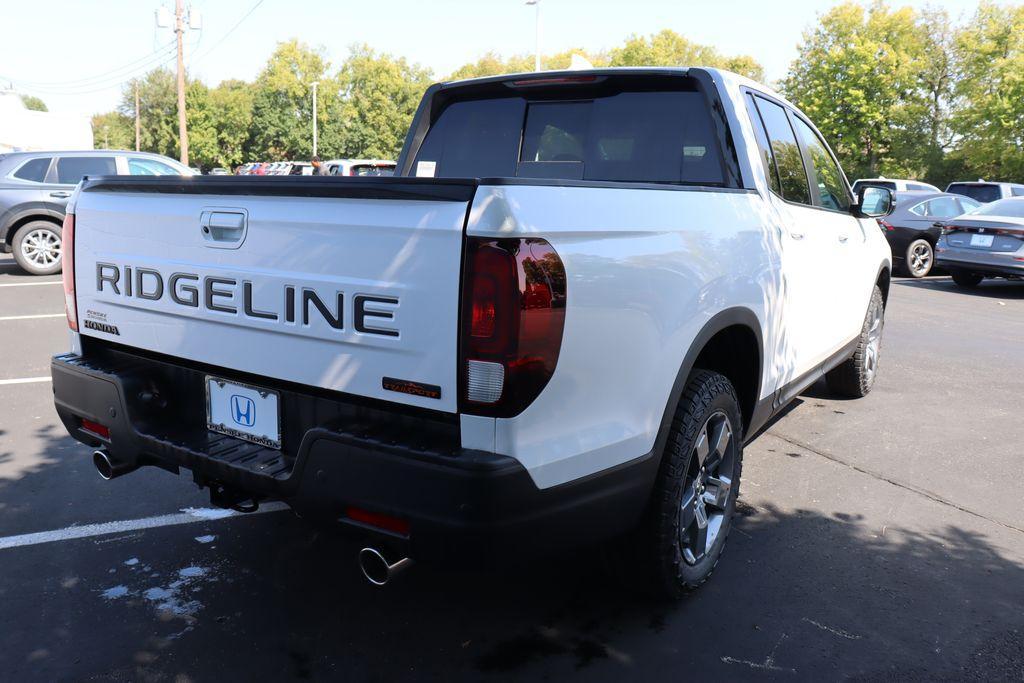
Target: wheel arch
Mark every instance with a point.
(723, 345)
(882, 281)
(8, 231)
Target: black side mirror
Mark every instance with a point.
(874, 202)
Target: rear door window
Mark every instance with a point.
(763, 146)
(656, 136)
(142, 166)
(71, 170)
(788, 159)
(33, 170)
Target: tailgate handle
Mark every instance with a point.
(224, 229)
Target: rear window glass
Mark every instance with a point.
(71, 170)
(1011, 208)
(658, 136)
(983, 193)
(34, 170)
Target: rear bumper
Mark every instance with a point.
(988, 267)
(341, 455)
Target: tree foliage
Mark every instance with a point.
(668, 48)
(33, 103)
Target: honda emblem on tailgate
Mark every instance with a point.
(243, 410)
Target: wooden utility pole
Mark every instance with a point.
(179, 31)
(138, 123)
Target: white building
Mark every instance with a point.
(25, 130)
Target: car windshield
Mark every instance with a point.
(983, 193)
(1012, 208)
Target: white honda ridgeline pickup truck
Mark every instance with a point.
(559, 323)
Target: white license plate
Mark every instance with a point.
(243, 411)
(981, 240)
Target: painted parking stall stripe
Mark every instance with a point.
(187, 516)
(30, 284)
(24, 380)
(31, 317)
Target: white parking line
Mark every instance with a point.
(31, 317)
(187, 516)
(31, 284)
(24, 380)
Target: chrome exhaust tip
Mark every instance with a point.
(109, 468)
(377, 569)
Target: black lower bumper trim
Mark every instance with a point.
(985, 269)
(456, 501)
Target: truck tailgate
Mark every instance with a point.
(343, 284)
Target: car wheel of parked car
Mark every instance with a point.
(854, 377)
(694, 498)
(965, 279)
(919, 258)
(36, 247)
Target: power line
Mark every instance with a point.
(230, 31)
(155, 61)
(83, 82)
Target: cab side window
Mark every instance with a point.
(33, 170)
(831, 188)
(788, 159)
(71, 170)
(763, 146)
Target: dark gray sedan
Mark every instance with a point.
(912, 228)
(34, 191)
(986, 243)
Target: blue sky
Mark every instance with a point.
(75, 54)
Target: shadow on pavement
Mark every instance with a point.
(798, 594)
(990, 289)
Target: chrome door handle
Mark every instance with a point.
(843, 238)
(60, 194)
(224, 229)
(796, 235)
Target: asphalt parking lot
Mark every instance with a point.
(880, 539)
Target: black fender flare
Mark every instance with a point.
(32, 212)
(729, 317)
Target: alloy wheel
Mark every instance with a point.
(920, 261)
(41, 248)
(874, 344)
(706, 488)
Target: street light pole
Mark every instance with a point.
(536, 28)
(315, 83)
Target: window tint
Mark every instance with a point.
(34, 170)
(1017, 191)
(475, 139)
(968, 204)
(983, 193)
(767, 157)
(788, 160)
(141, 166)
(657, 136)
(940, 207)
(831, 187)
(70, 170)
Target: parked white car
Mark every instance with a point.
(894, 184)
(597, 287)
(985, 191)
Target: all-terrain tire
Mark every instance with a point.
(855, 376)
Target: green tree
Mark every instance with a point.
(113, 130)
(989, 117)
(219, 123)
(858, 77)
(492, 64)
(33, 103)
(158, 112)
(282, 107)
(668, 48)
(378, 96)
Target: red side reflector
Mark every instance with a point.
(378, 520)
(96, 428)
(67, 249)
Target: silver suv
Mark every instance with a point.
(34, 190)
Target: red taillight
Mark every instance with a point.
(513, 316)
(67, 249)
(555, 80)
(96, 428)
(885, 225)
(378, 520)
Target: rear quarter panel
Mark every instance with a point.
(646, 269)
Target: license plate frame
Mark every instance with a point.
(982, 240)
(252, 406)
